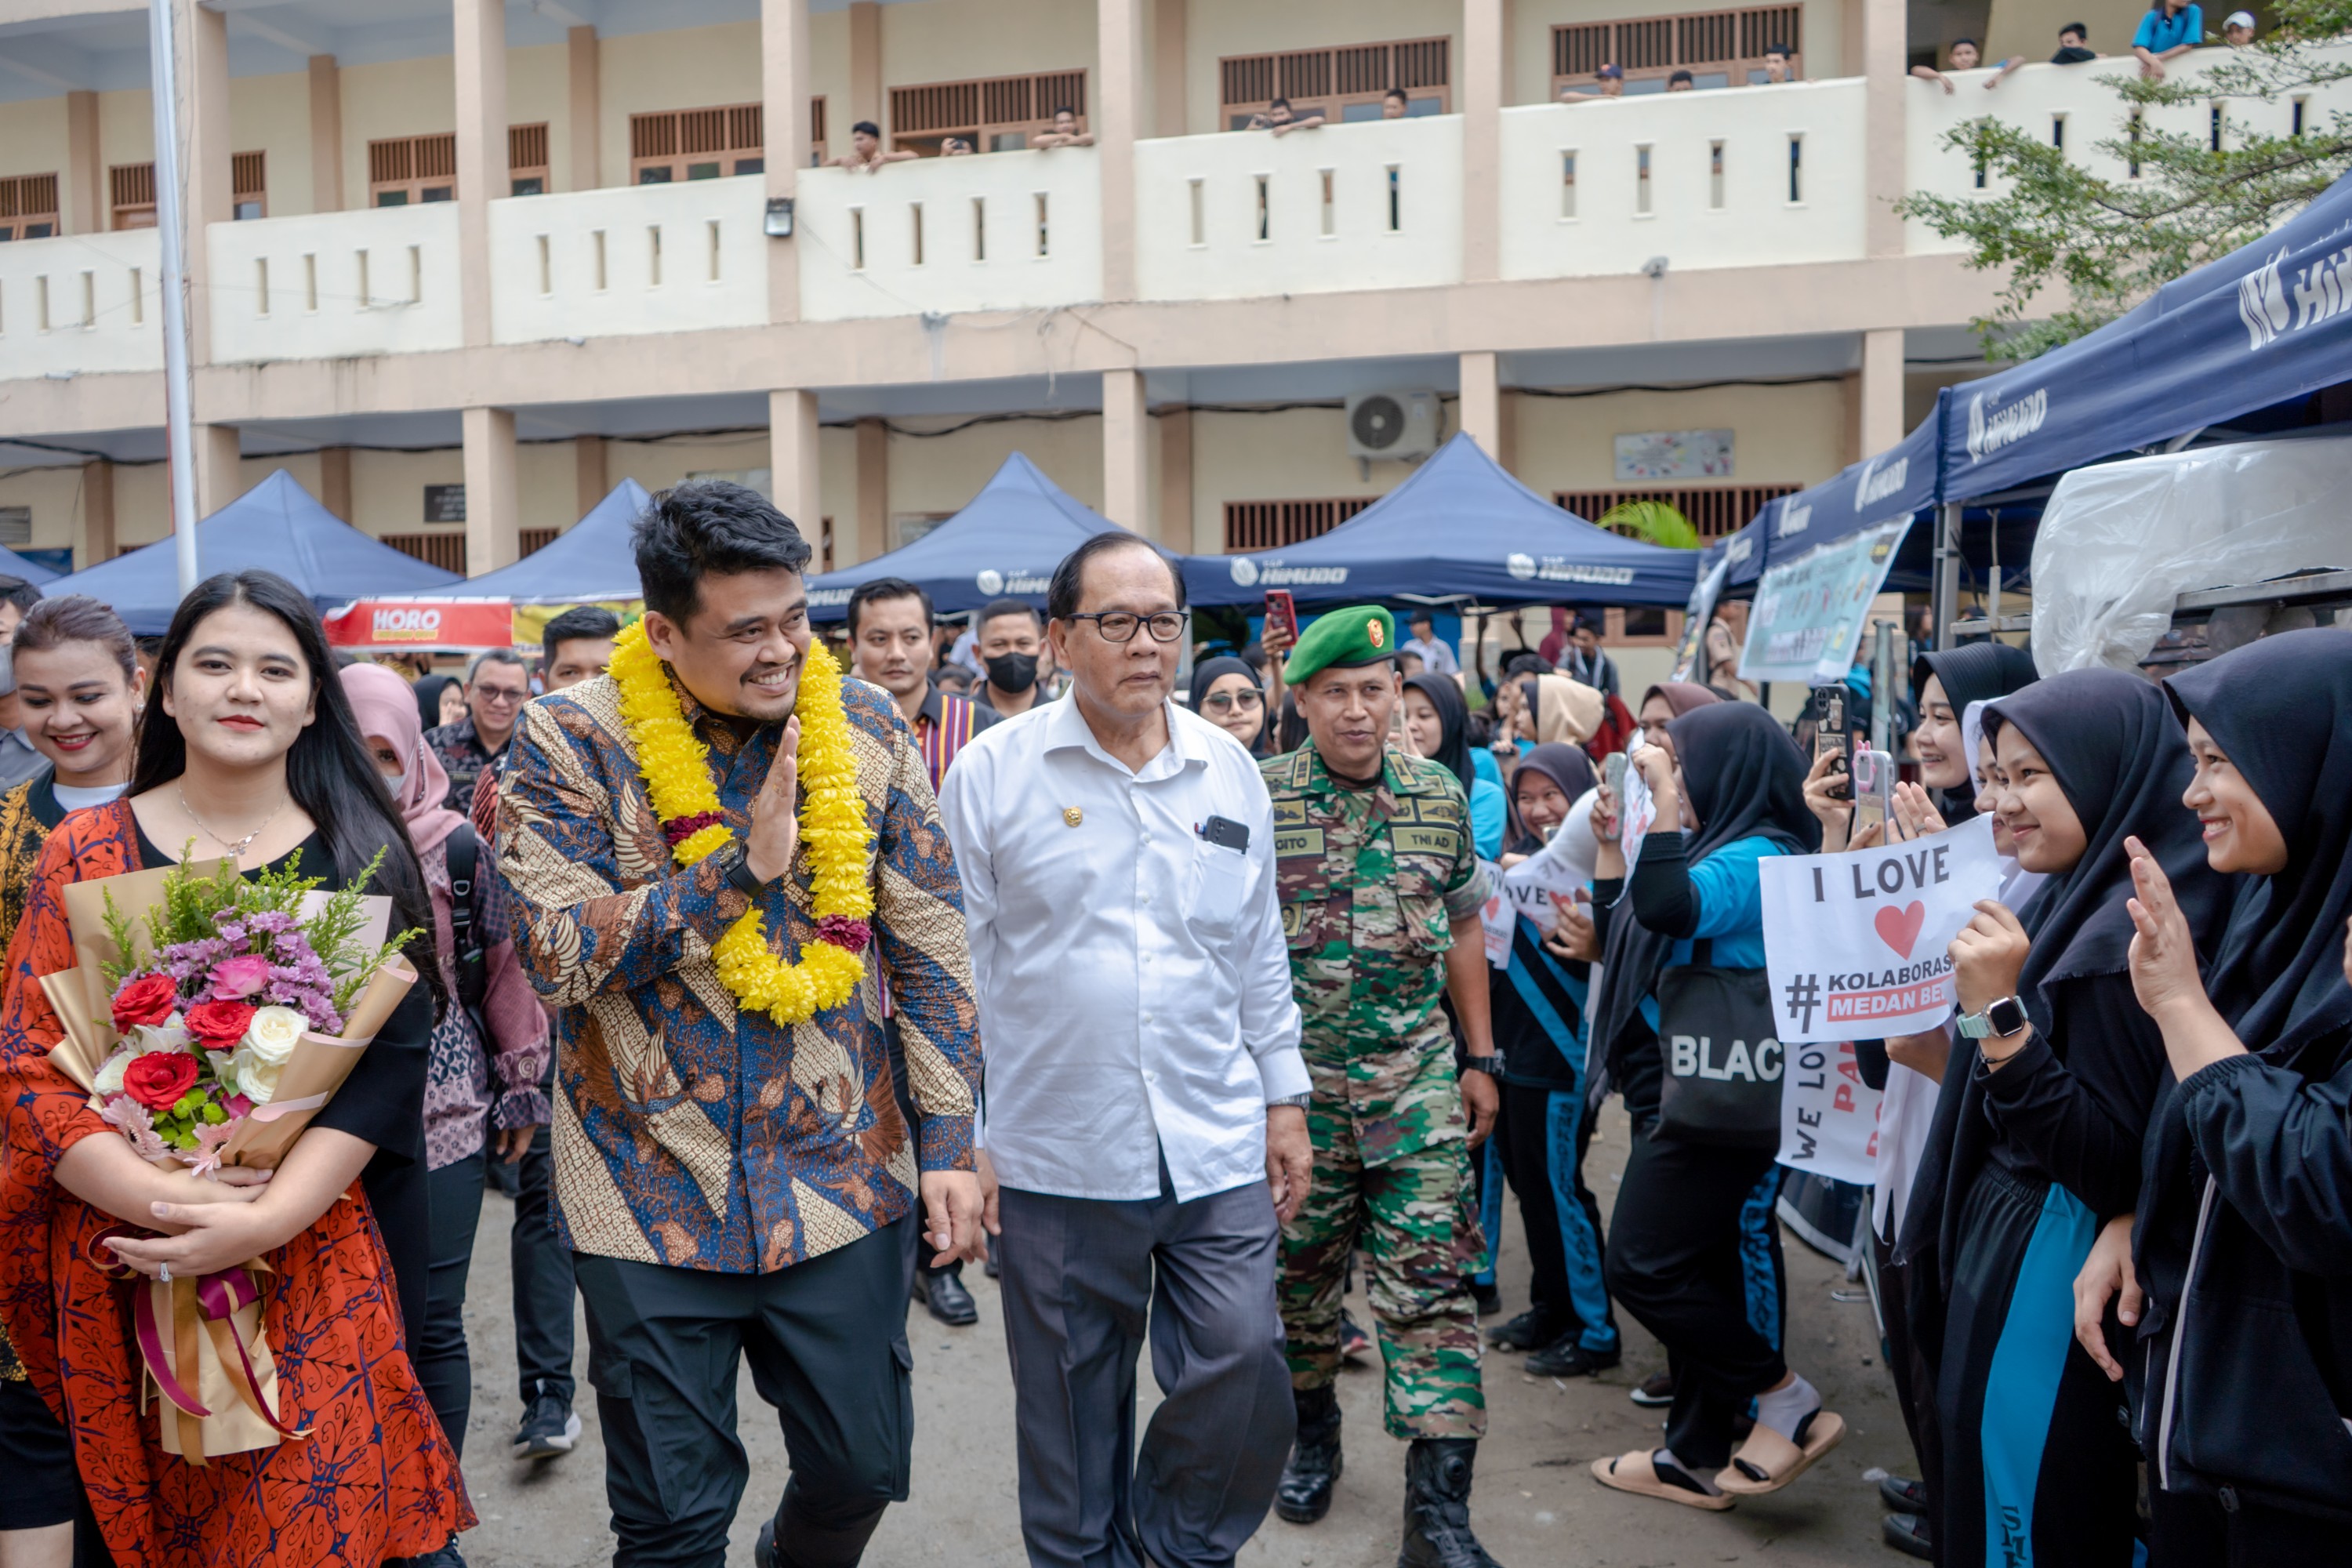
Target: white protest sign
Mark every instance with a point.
(1637, 811)
(1829, 1117)
(1496, 916)
(1857, 944)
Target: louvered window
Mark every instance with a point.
(1347, 81)
(527, 160)
(28, 206)
(131, 191)
(995, 114)
(1270, 524)
(1715, 510)
(447, 550)
(530, 540)
(817, 143)
(248, 184)
(406, 170)
(674, 144)
(1720, 49)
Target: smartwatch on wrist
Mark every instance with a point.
(1491, 1064)
(735, 864)
(1290, 1101)
(2002, 1018)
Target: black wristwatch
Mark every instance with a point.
(735, 864)
(1491, 1064)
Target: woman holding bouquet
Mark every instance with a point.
(79, 687)
(249, 752)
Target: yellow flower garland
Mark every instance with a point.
(676, 770)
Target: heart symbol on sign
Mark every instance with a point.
(1898, 928)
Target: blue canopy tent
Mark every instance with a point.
(1895, 483)
(588, 563)
(276, 526)
(1004, 544)
(2269, 323)
(1459, 528)
(15, 565)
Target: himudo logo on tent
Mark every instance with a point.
(2320, 290)
(1793, 520)
(1988, 432)
(1519, 565)
(1249, 573)
(990, 581)
(1878, 483)
(1244, 571)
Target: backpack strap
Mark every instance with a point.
(464, 850)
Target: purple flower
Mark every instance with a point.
(240, 978)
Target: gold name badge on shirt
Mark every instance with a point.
(1072, 815)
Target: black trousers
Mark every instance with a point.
(543, 1286)
(1695, 1257)
(1541, 1138)
(454, 1199)
(1912, 1363)
(2189, 1530)
(826, 1340)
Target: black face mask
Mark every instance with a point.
(1014, 672)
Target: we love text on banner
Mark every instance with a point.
(1857, 944)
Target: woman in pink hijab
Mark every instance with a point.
(490, 1054)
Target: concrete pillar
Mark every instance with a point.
(493, 505)
(326, 134)
(1168, 83)
(84, 197)
(589, 482)
(865, 67)
(1879, 412)
(1117, 115)
(97, 543)
(1484, 27)
(1482, 401)
(1885, 44)
(870, 535)
(587, 110)
(335, 480)
(219, 477)
(793, 460)
(784, 75)
(481, 69)
(202, 34)
(1126, 463)
(1176, 483)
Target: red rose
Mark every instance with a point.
(147, 999)
(159, 1078)
(220, 1024)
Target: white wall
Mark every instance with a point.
(712, 272)
(98, 296)
(408, 303)
(1756, 223)
(1304, 250)
(836, 205)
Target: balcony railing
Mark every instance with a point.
(376, 281)
(80, 303)
(629, 258)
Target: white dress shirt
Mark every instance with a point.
(1133, 981)
(1435, 657)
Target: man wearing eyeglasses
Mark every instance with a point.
(1144, 1119)
(497, 686)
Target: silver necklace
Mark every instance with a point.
(235, 846)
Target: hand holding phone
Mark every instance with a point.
(1281, 620)
(1874, 793)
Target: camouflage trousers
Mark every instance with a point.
(1417, 1220)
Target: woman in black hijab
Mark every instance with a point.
(428, 689)
(1226, 693)
(2055, 1074)
(1694, 1254)
(1436, 718)
(2249, 1155)
(1945, 681)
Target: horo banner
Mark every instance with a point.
(1857, 944)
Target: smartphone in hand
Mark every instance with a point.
(1612, 774)
(1281, 613)
(1874, 794)
(1829, 736)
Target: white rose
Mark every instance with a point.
(253, 1077)
(273, 1035)
(164, 1037)
(109, 1081)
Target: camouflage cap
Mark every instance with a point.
(1342, 639)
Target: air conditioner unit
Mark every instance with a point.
(1393, 424)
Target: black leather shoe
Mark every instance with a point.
(1531, 1330)
(949, 1301)
(1902, 1494)
(1437, 1506)
(1654, 1391)
(1489, 1300)
(1907, 1533)
(1569, 1359)
(1304, 1494)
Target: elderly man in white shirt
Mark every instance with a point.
(1143, 1115)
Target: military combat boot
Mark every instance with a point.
(1437, 1506)
(1305, 1493)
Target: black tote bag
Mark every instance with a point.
(1723, 1063)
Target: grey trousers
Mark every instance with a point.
(1079, 1277)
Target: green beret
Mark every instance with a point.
(1342, 639)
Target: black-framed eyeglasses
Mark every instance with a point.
(1248, 697)
(1119, 626)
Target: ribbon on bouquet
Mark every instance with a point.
(201, 1310)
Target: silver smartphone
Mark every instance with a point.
(1613, 773)
(1874, 793)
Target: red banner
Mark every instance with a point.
(422, 624)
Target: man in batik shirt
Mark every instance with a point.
(732, 1185)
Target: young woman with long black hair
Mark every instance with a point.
(2056, 1072)
(1436, 721)
(1947, 680)
(79, 687)
(1538, 1005)
(2235, 1276)
(248, 752)
(1694, 1255)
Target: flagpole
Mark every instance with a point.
(170, 220)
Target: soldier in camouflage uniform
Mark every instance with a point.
(1381, 889)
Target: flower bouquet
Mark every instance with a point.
(211, 1017)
